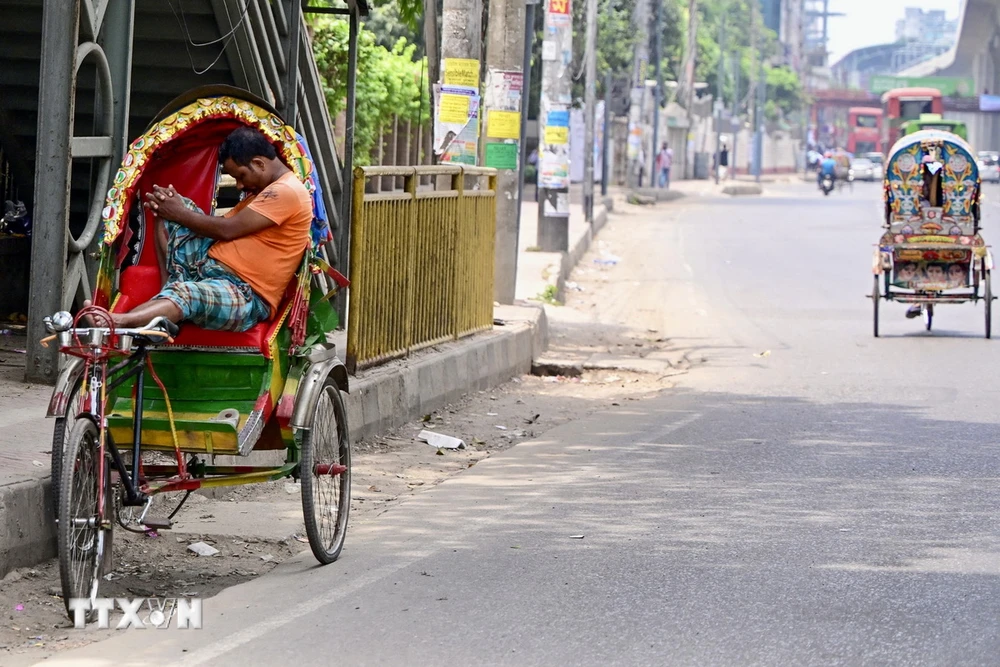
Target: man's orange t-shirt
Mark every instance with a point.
(268, 259)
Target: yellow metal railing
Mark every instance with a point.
(421, 261)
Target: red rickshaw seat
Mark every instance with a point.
(139, 284)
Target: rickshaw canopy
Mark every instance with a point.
(181, 146)
(906, 206)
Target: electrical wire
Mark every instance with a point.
(226, 39)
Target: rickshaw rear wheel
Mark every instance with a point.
(81, 537)
(929, 315)
(988, 290)
(325, 474)
(875, 298)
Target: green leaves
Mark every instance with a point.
(390, 82)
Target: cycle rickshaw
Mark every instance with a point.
(932, 252)
(145, 411)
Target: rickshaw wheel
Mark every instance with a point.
(989, 304)
(81, 538)
(929, 315)
(60, 437)
(875, 299)
(325, 475)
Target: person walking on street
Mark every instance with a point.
(664, 161)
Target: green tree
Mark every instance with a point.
(391, 82)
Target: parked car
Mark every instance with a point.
(864, 169)
(876, 159)
(989, 166)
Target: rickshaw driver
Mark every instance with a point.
(229, 272)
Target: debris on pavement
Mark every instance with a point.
(763, 355)
(576, 537)
(440, 440)
(202, 549)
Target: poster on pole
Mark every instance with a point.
(553, 171)
(502, 100)
(463, 72)
(456, 124)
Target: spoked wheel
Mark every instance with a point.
(325, 473)
(989, 304)
(60, 436)
(81, 535)
(875, 299)
(929, 315)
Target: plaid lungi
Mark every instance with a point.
(206, 291)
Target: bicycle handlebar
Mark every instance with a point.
(158, 329)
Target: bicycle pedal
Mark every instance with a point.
(158, 524)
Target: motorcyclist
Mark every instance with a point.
(827, 167)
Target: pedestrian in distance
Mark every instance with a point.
(664, 161)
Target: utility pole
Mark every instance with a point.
(461, 49)
(432, 51)
(605, 176)
(461, 32)
(737, 122)
(529, 42)
(590, 101)
(759, 120)
(502, 136)
(553, 153)
(658, 95)
(640, 60)
(719, 102)
(752, 93)
(689, 69)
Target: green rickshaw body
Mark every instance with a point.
(226, 393)
(955, 127)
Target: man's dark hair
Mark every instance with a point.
(244, 144)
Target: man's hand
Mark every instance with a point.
(165, 203)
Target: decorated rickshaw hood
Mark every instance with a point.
(173, 125)
(904, 179)
(923, 136)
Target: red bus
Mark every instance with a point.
(864, 130)
(903, 104)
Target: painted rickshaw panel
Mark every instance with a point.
(181, 148)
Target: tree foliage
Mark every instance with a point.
(390, 82)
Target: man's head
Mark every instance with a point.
(251, 159)
(664, 145)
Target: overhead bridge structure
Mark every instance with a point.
(79, 79)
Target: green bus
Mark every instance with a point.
(934, 121)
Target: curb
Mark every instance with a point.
(392, 396)
(385, 397)
(571, 258)
(27, 527)
(655, 194)
(742, 189)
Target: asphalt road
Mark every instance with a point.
(829, 501)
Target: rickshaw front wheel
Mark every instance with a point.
(81, 535)
(325, 474)
(60, 438)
